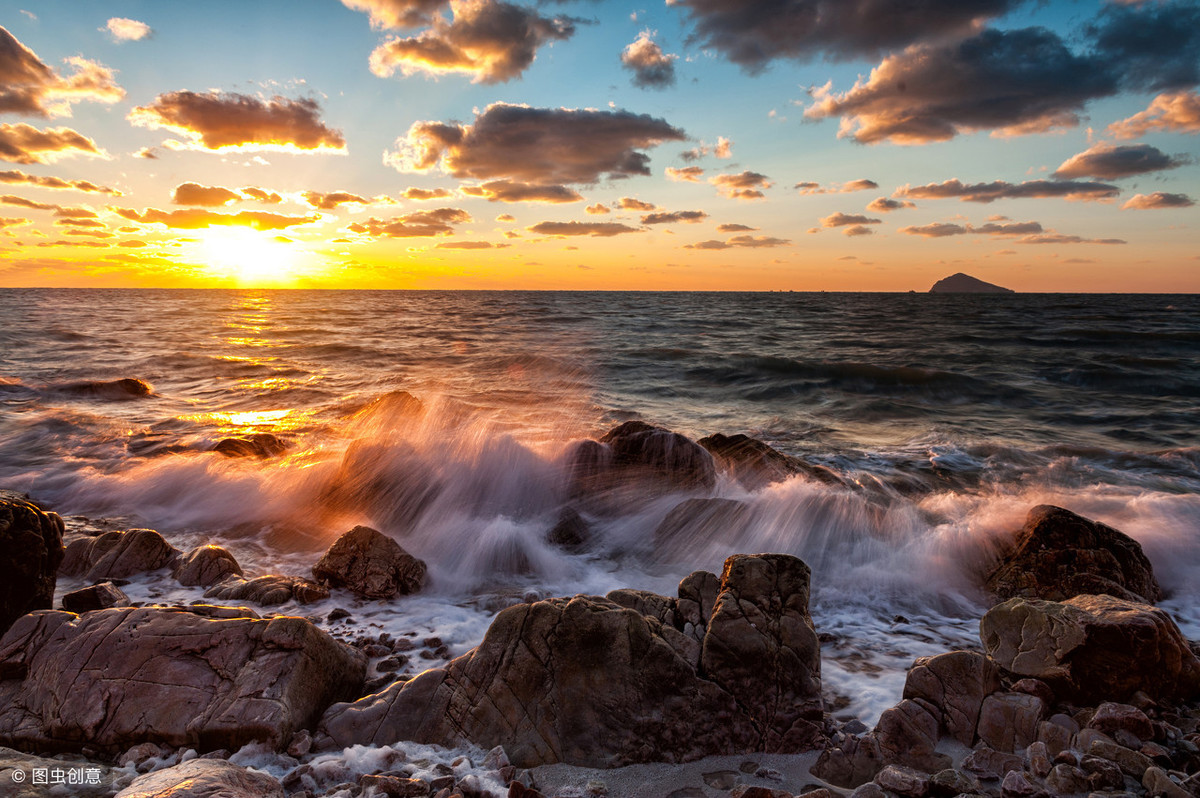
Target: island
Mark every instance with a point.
(966, 284)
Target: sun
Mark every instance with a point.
(250, 257)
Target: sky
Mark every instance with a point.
(807, 145)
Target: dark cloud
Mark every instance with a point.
(424, 194)
(631, 204)
(196, 219)
(1159, 199)
(21, 143)
(687, 174)
(934, 230)
(1011, 82)
(596, 229)
(516, 191)
(745, 185)
(840, 219)
(218, 120)
(754, 33)
(735, 228)
(398, 14)
(1109, 162)
(548, 146)
(1052, 237)
(1150, 45)
(1175, 112)
(29, 86)
(207, 196)
(675, 217)
(999, 189)
(16, 176)
(810, 187)
(885, 205)
(417, 224)
(330, 201)
(651, 67)
(858, 230)
(745, 242)
(1029, 232)
(490, 40)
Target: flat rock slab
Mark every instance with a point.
(204, 778)
(114, 678)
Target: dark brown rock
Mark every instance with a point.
(96, 597)
(1067, 780)
(635, 455)
(590, 682)
(169, 677)
(116, 555)
(261, 445)
(268, 590)
(908, 735)
(570, 532)
(956, 684)
(1008, 722)
(755, 464)
(205, 566)
(903, 781)
(1059, 554)
(987, 763)
(370, 564)
(949, 782)
(697, 595)
(30, 553)
(204, 778)
(1111, 717)
(1093, 648)
(851, 764)
(693, 522)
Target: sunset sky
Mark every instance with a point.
(686, 144)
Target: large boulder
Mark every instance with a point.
(1093, 648)
(116, 555)
(636, 455)
(167, 676)
(30, 553)
(588, 681)
(205, 566)
(261, 445)
(371, 565)
(955, 684)
(204, 778)
(269, 590)
(1059, 554)
(95, 597)
(755, 464)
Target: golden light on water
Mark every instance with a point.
(252, 257)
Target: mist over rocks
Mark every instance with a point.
(116, 554)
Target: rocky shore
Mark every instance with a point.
(1080, 685)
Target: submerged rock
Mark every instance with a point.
(590, 682)
(1059, 554)
(260, 444)
(571, 532)
(205, 566)
(755, 464)
(116, 390)
(204, 778)
(1093, 648)
(31, 551)
(116, 555)
(370, 564)
(268, 590)
(168, 676)
(639, 457)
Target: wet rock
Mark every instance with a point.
(1034, 687)
(987, 763)
(1037, 756)
(114, 390)
(96, 597)
(205, 566)
(869, 790)
(116, 555)
(31, 551)
(956, 684)
(693, 522)
(1067, 780)
(852, 763)
(1102, 774)
(747, 791)
(268, 590)
(908, 735)
(1008, 722)
(169, 676)
(12, 761)
(637, 454)
(1016, 784)
(903, 781)
(950, 782)
(755, 464)
(1159, 785)
(586, 681)
(570, 532)
(261, 445)
(1132, 763)
(1093, 648)
(1111, 717)
(204, 778)
(394, 786)
(371, 565)
(697, 595)
(1059, 554)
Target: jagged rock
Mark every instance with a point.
(987, 763)
(1132, 763)
(96, 597)
(755, 464)
(571, 532)
(589, 682)
(1016, 784)
(268, 590)
(851, 764)
(168, 676)
(31, 551)
(691, 523)
(1055, 737)
(1067, 780)
(1093, 648)
(116, 555)
(1008, 722)
(1111, 717)
(956, 684)
(636, 453)
(11, 761)
(903, 781)
(908, 734)
(204, 778)
(950, 782)
(1059, 554)
(1037, 756)
(205, 566)
(260, 444)
(1159, 785)
(697, 596)
(370, 564)
(1101, 773)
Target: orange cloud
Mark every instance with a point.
(416, 224)
(840, 219)
(423, 194)
(631, 204)
(397, 14)
(29, 86)
(16, 176)
(746, 242)
(686, 174)
(746, 185)
(885, 205)
(1176, 112)
(195, 219)
(674, 217)
(651, 67)
(24, 144)
(221, 121)
(595, 229)
(1157, 200)
(999, 189)
(327, 202)
(208, 196)
(261, 195)
(515, 191)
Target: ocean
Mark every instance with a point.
(944, 419)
